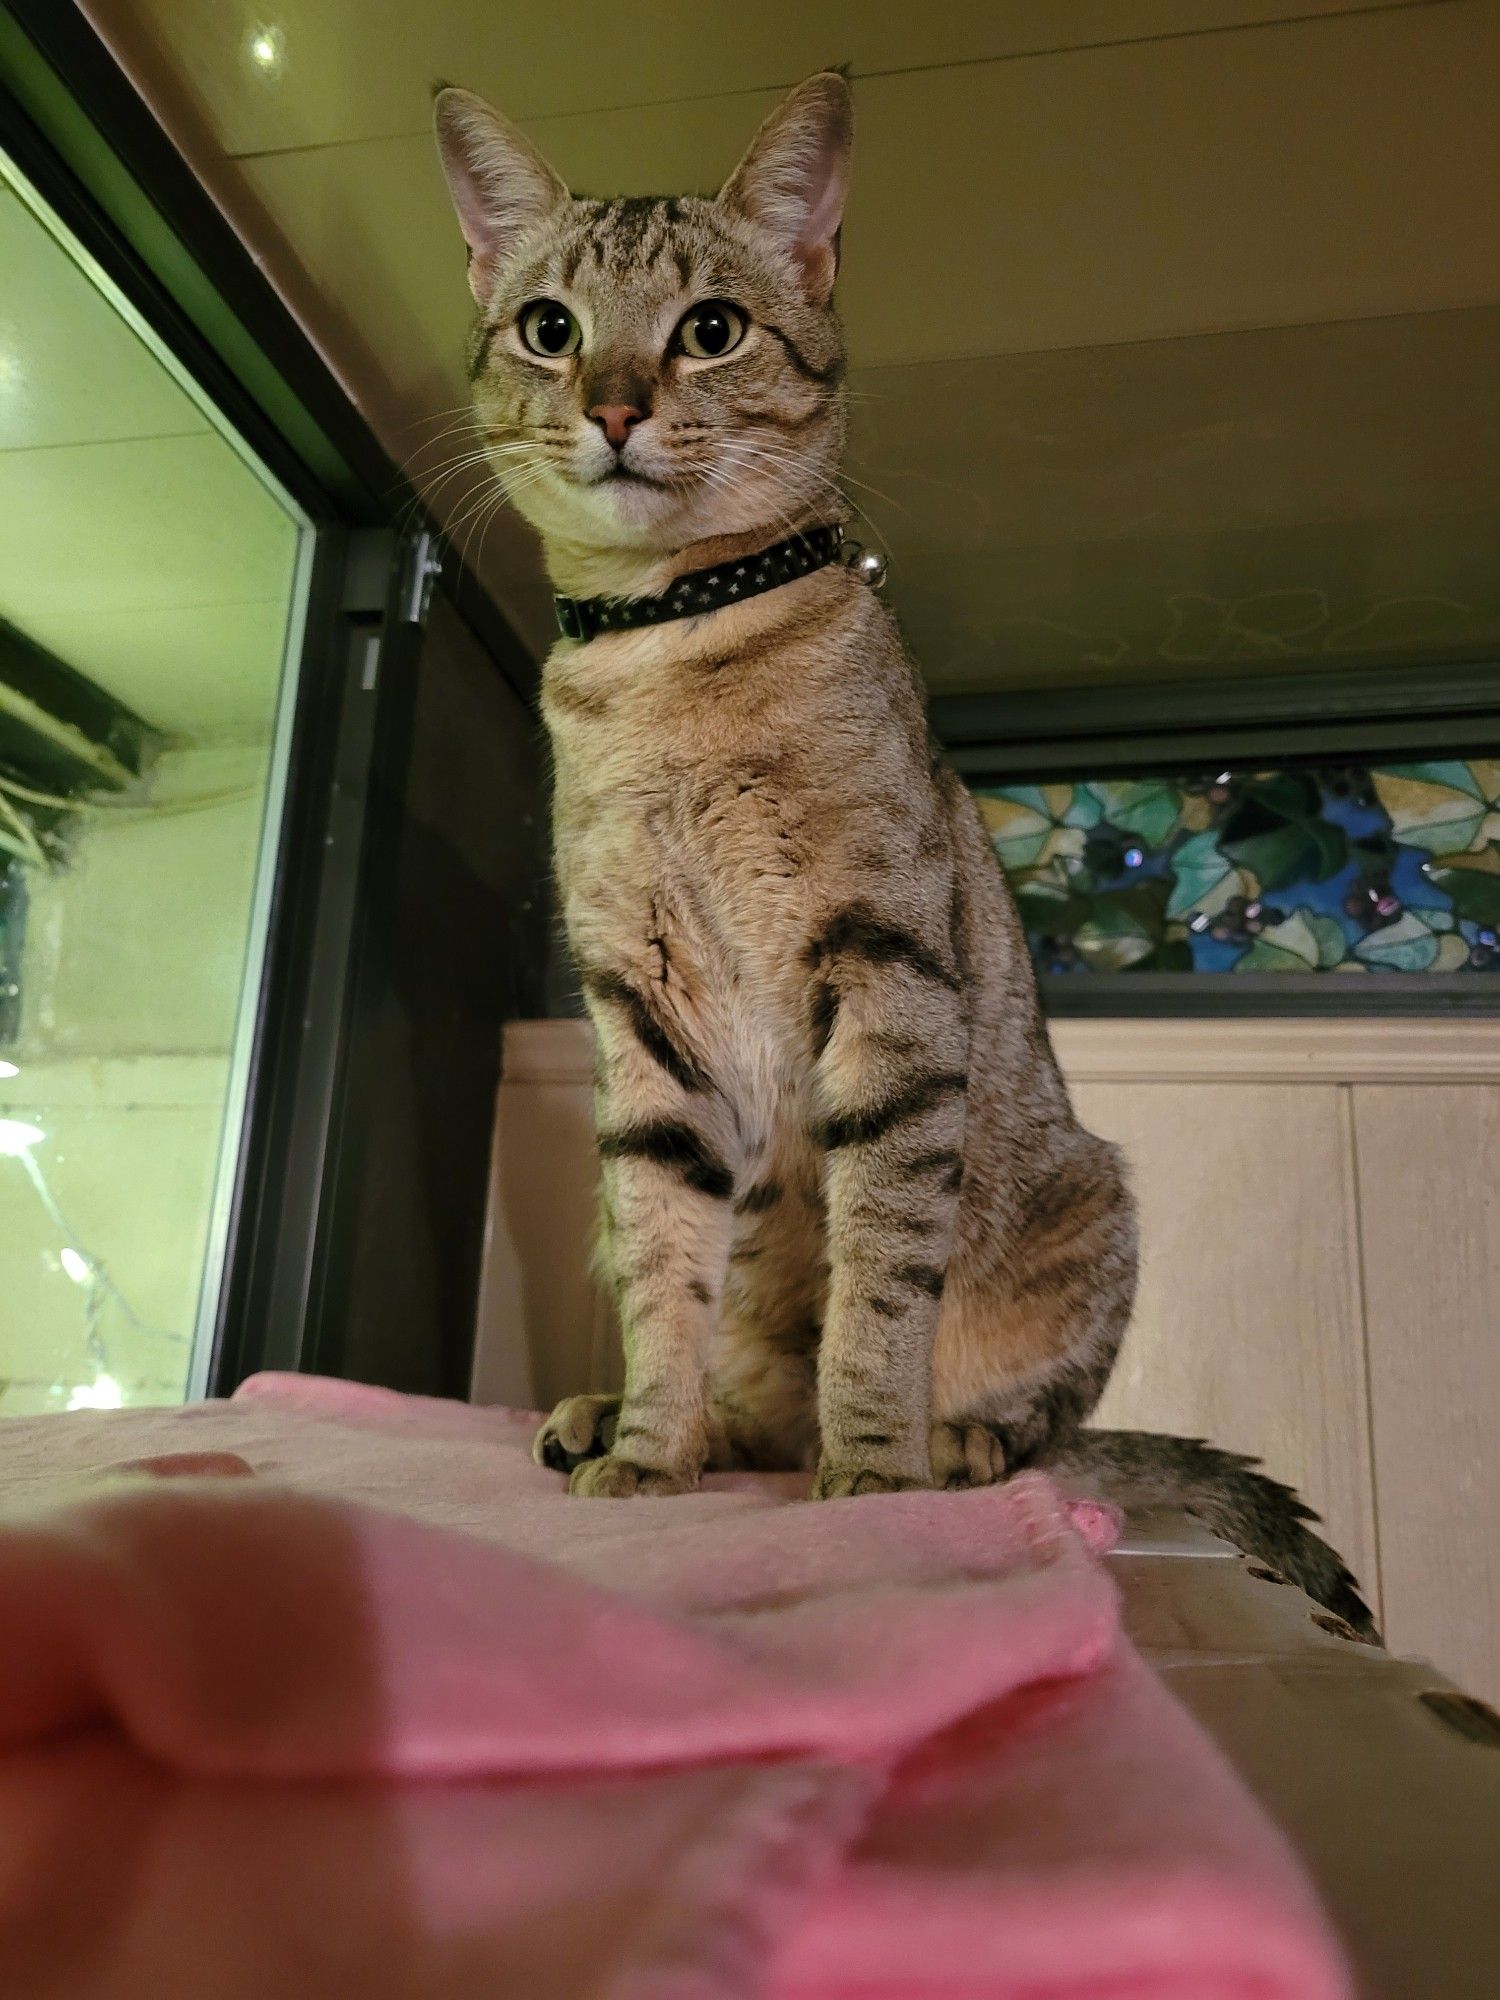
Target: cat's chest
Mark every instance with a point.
(731, 825)
(701, 820)
(656, 762)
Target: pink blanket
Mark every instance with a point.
(391, 1718)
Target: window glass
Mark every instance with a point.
(152, 579)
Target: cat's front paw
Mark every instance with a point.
(580, 1427)
(966, 1455)
(616, 1478)
(841, 1479)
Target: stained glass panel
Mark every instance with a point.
(1355, 869)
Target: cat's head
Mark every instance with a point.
(653, 371)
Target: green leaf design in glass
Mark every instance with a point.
(1205, 879)
(1472, 882)
(1295, 851)
(1333, 946)
(1267, 834)
(1115, 937)
(1049, 905)
(1263, 957)
(1275, 829)
(1331, 845)
(1149, 808)
(1083, 809)
(1171, 955)
(1407, 945)
(1441, 807)
(1304, 942)
(1019, 825)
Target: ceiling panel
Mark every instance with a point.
(982, 617)
(1387, 419)
(1293, 495)
(70, 367)
(1171, 342)
(1020, 206)
(350, 69)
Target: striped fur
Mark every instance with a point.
(850, 1216)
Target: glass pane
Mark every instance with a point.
(1357, 869)
(152, 579)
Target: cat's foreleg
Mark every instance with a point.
(665, 1140)
(763, 1407)
(892, 1084)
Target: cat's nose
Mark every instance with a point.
(616, 420)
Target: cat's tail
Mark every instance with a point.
(1222, 1490)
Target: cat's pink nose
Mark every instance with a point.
(616, 420)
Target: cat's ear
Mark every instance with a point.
(498, 180)
(793, 180)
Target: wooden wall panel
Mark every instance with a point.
(544, 1327)
(1429, 1183)
(1248, 1329)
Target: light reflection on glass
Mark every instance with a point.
(104, 1393)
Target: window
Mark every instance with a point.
(1382, 869)
(152, 587)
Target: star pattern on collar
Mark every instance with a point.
(702, 589)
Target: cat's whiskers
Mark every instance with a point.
(439, 475)
(494, 491)
(720, 479)
(483, 513)
(480, 455)
(473, 549)
(752, 453)
(788, 466)
(411, 465)
(459, 508)
(465, 409)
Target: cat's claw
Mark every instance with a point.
(616, 1478)
(581, 1427)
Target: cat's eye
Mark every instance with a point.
(711, 330)
(550, 329)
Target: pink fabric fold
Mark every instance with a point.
(326, 1689)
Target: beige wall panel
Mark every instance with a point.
(545, 1327)
(1429, 1180)
(1248, 1327)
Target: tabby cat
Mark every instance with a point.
(851, 1219)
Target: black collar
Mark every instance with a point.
(702, 589)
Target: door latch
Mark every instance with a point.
(421, 566)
